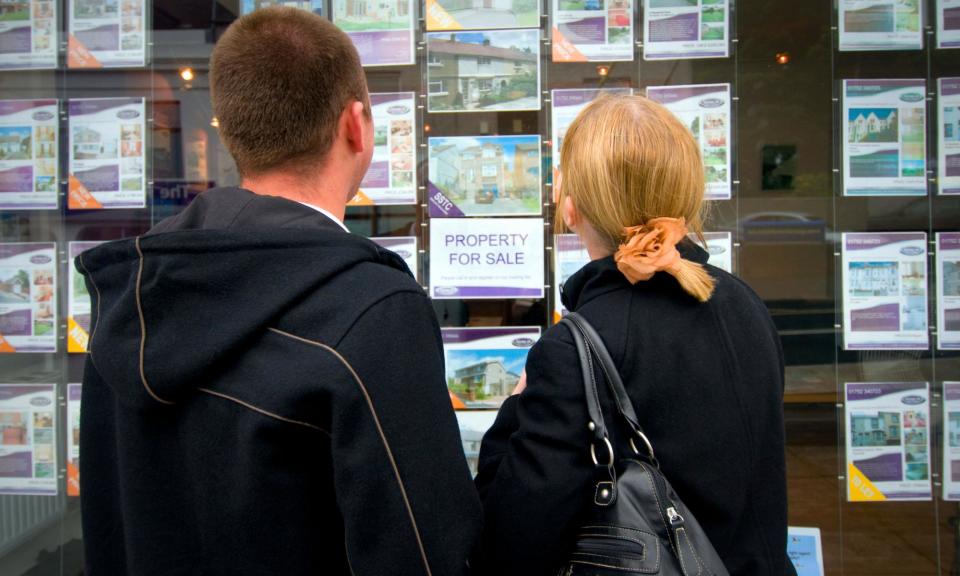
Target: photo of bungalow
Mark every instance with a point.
(90, 144)
(873, 125)
(488, 175)
(879, 429)
(474, 71)
(95, 8)
(14, 10)
(486, 14)
(14, 286)
(355, 15)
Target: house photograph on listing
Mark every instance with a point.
(477, 71)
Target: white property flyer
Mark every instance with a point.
(391, 178)
(567, 104)
(28, 297)
(381, 30)
(107, 34)
(28, 35)
(805, 550)
(705, 110)
(78, 301)
(592, 30)
(487, 15)
(888, 441)
(484, 364)
(948, 135)
(885, 291)
(28, 154)
(880, 24)
(720, 248)
(106, 153)
(404, 247)
(28, 436)
(948, 290)
(884, 138)
(677, 29)
(486, 258)
(948, 23)
(951, 441)
(569, 256)
(73, 439)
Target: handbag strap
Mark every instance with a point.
(586, 335)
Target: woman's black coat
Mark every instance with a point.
(707, 383)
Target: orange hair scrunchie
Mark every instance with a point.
(651, 248)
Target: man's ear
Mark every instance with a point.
(353, 121)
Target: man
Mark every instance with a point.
(265, 391)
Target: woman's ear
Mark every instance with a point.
(570, 215)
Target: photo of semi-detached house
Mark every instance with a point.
(487, 175)
(475, 71)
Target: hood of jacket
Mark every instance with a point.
(173, 306)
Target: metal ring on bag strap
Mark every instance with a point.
(646, 442)
(593, 452)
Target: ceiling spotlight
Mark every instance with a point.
(783, 58)
(186, 74)
(603, 70)
(214, 122)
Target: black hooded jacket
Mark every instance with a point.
(265, 394)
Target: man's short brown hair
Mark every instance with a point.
(279, 80)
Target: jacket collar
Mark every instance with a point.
(602, 276)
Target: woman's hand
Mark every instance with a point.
(522, 384)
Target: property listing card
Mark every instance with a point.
(948, 290)
(948, 136)
(720, 248)
(107, 33)
(391, 178)
(805, 550)
(315, 6)
(880, 24)
(951, 440)
(592, 30)
(381, 30)
(28, 436)
(483, 71)
(948, 23)
(107, 153)
(675, 29)
(888, 441)
(484, 176)
(28, 297)
(78, 301)
(884, 143)
(484, 364)
(404, 247)
(885, 291)
(486, 258)
(569, 256)
(28, 34)
(705, 110)
(28, 154)
(567, 104)
(487, 15)
(73, 439)
(473, 425)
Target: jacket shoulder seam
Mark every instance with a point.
(376, 421)
(143, 326)
(260, 410)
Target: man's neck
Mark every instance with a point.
(294, 187)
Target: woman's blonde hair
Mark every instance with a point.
(626, 160)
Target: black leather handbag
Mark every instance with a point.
(636, 523)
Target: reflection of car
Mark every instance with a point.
(783, 227)
(484, 196)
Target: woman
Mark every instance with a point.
(697, 350)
